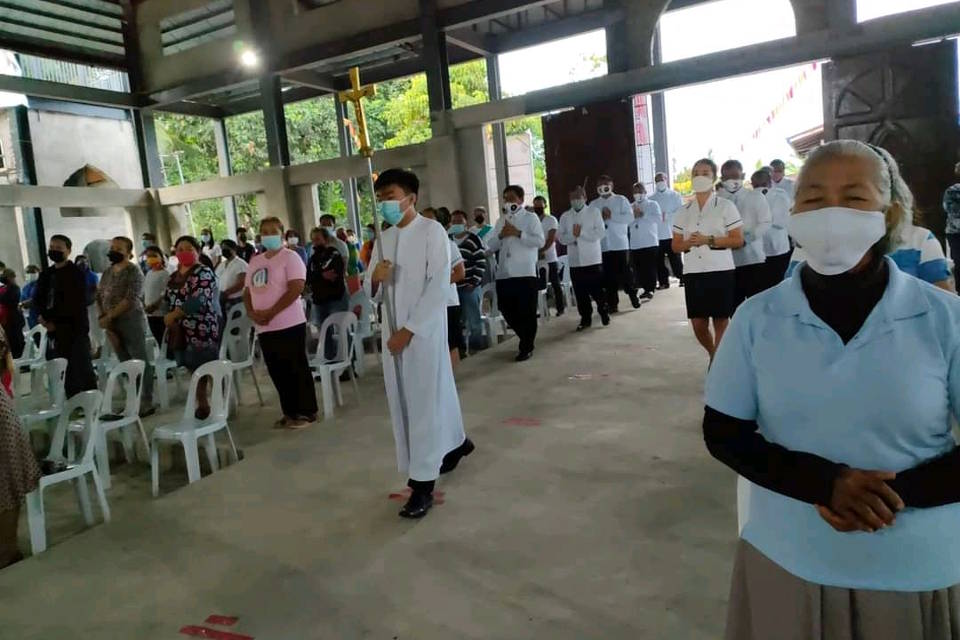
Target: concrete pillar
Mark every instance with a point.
(499, 131)
(442, 173)
(278, 148)
(661, 155)
(349, 184)
(308, 209)
(26, 165)
(471, 158)
(812, 15)
(226, 169)
(435, 66)
(630, 42)
(151, 169)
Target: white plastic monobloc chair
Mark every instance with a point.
(34, 358)
(105, 363)
(162, 367)
(130, 375)
(344, 324)
(237, 346)
(190, 430)
(543, 308)
(39, 417)
(566, 282)
(367, 327)
(494, 324)
(72, 470)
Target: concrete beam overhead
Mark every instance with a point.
(21, 195)
(216, 188)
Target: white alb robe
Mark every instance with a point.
(420, 253)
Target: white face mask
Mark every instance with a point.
(661, 187)
(835, 239)
(578, 203)
(639, 197)
(32, 277)
(511, 208)
(293, 241)
(605, 190)
(702, 184)
(732, 185)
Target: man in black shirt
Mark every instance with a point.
(328, 289)
(245, 248)
(62, 308)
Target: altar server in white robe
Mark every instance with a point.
(416, 270)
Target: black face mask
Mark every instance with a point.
(115, 257)
(227, 253)
(478, 220)
(56, 257)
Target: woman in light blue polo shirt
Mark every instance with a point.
(832, 394)
(915, 249)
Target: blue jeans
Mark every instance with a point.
(470, 316)
(323, 311)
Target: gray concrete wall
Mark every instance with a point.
(63, 143)
(472, 157)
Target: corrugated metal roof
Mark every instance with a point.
(89, 27)
(189, 29)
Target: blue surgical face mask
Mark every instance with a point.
(577, 203)
(272, 243)
(390, 211)
(457, 229)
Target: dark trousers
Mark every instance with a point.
(157, 328)
(517, 299)
(76, 350)
(777, 268)
(617, 277)
(285, 354)
(587, 285)
(676, 263)
(751, 280)
(645, 268)
(552, 273)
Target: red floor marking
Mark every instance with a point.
(213, 634)
(222, 621)
(403, 496)
(523, 422)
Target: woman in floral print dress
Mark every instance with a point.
(19, 472)
(193, 323)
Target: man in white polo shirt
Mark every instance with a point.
(617, 216)
(549, 267)
(757, 222)
(518, 237)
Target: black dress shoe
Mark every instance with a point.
(523, 356)
(417, 506)
(583, 326)
(453, 458)
(635, 301)
(605, 319)
(647, 295)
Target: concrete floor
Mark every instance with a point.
(589, 510)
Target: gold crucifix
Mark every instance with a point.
(355, 95)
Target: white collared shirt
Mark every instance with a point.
(549, 223)
(776, 242)
(755, 213)
(788, 186)
(583, 251)
(670, 202)
(518, 256)
(645, 230)
(621, 215)
(717, 218)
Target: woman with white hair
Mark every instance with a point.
(915, 249)
(833, 394)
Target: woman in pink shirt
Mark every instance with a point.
(275, 280)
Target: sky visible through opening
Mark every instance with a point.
(727, 118)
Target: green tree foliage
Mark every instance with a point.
(398, 115)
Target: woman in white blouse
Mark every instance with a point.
(705, 230)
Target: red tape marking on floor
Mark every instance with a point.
(222, 621)
(213, 634)
(523, 422)
(403, 496)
